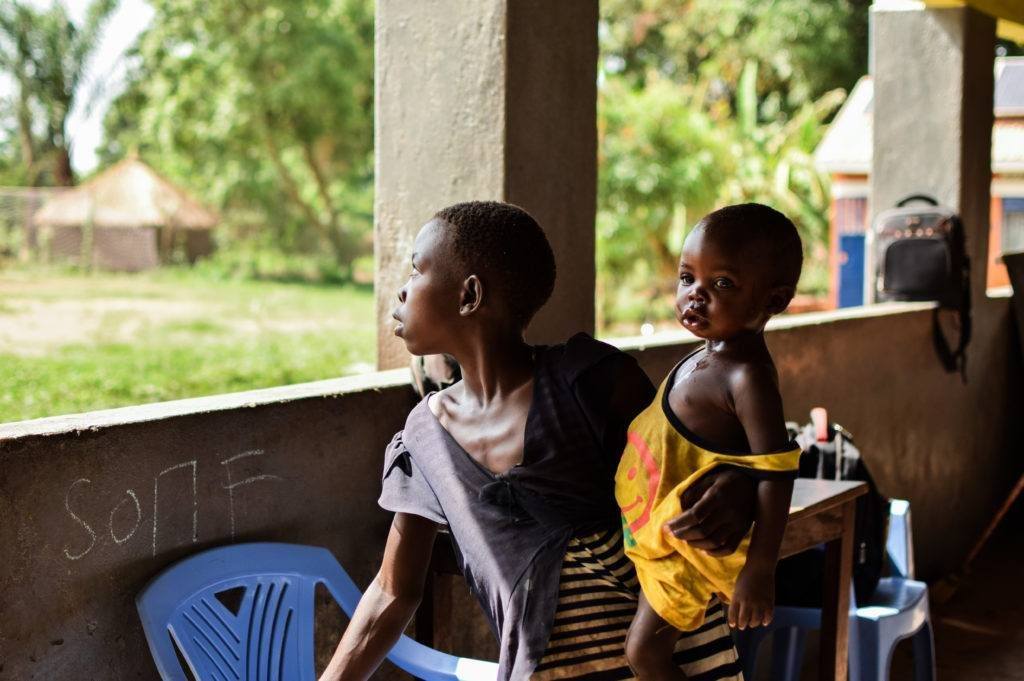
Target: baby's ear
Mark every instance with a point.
(778, 299)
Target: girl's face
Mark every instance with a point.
(428, 303)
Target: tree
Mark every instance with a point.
(661, 166)
(264, 109)
(774, 166)
(804, 47)
(47, 53)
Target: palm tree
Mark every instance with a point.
(774, 162)
(47, 54)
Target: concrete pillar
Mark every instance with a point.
(490, 100)
(933, 89)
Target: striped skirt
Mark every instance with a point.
(597, 599)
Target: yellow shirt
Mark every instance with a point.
(661, 459)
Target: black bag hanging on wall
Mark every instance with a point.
(921, 254)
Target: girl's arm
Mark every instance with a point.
(389, 602)
(718, 510)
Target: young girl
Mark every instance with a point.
(720, 407)
(517, 460)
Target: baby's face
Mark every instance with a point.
(723, 288)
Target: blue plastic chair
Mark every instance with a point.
(787, 630)
(897, 610)
(268, 634)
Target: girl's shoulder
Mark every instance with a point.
(608, 383)
(583, 354)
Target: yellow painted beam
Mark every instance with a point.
(1010, 10)
(1010, 14)
(1008, 30)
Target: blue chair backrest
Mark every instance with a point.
(266, 635)
(899, 543)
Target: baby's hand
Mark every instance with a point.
(754, 598)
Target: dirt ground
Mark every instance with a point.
(33, 328)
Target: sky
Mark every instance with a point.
(104, 76)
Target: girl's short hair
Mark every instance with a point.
(507, 249)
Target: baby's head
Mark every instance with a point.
(740, 265)
(480, 262)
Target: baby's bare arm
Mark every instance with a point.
(759, 409)
(773, 498)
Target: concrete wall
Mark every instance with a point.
(488, 100)
(95, 507)
(303, 465)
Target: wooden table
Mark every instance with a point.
(822, 512)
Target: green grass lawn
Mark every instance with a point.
(78, 342)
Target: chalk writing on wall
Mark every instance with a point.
(193, 465)
(231, 486)
(126, 516)
(74, 516)
(134, 499)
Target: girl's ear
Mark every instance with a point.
(472, 295)
(778, 299)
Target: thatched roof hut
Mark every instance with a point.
(129, 217)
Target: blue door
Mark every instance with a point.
(851, 270)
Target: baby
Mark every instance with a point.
(720, 406)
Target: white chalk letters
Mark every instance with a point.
(92, 533)
(175, 488)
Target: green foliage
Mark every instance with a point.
(774, 163)
(706, 103)
(264, 110)
(662, 163)
(244, 260)
(46, 54)
(666, 162)
(804, 47)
